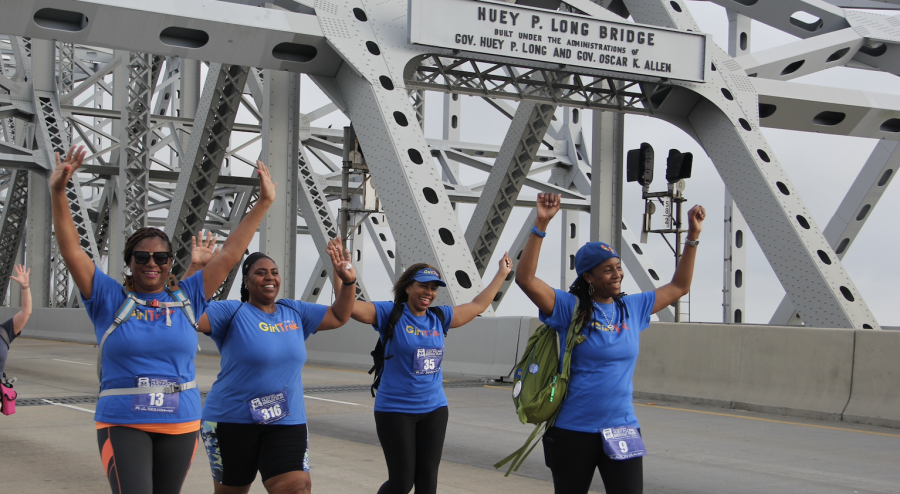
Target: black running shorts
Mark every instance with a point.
(237, 451)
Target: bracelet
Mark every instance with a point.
(692, 243)
(537, 232)
(349, 282)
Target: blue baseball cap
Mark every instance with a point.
(592, 254)
(427, 274)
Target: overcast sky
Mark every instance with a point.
(821, 168)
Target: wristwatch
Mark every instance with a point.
(692, 243)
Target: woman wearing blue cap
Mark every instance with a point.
(596, 427)
(411, 409)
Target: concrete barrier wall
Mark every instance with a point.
(875, 396)
(831, 374)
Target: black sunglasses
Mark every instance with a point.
(160, 258)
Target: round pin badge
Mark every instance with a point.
(533, 368)
(517, 389)
(519, 373)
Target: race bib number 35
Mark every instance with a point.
(623, 443)
(155, 402)
(270, 408)
(428, 361)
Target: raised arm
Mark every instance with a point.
(464, 313)
(218, 268)
(539, 292)
(364, 312)
(680, 285)
(22, 278)
(344, 286)
(79, 264)
(201, 253)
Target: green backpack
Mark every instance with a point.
(539, 388)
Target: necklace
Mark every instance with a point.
(609, 324)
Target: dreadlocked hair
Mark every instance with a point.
(131, 244)
(405, 279)
(582, 289)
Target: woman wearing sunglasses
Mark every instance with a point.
(148, 414)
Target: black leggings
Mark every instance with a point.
(572, 457)
(412, 444)
(138, 462)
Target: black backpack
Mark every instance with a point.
(377, 354)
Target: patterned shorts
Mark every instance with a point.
(237, 451)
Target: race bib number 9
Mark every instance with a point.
(270, 408)
(155, 402)
(428, 361)
(623, 443)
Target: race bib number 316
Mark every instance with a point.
(428, 361)
(270, 408)
(155, 402)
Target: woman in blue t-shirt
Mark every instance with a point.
(254, 418)
(410, 408)
(147, 436)
(597, 410)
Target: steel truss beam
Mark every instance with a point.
(728, 129)
(203, 158)
(853, 212)
(507, 177)
(12, 225)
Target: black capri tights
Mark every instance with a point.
(412, 444)
(138, 462)
(572, 457)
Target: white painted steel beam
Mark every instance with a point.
(199, 29)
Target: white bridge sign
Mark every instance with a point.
(502, 29)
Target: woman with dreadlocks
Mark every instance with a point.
(148, 414)
(596, 427)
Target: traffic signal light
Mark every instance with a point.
(640, 165)
(678, 165)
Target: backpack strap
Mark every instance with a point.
(393, 319)
(440, 314)
(121, 316)
(378, 353)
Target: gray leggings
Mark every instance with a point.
(138, 462)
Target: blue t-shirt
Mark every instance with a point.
(600, 387)
(261, 354)
(143, 346)
(412, 379)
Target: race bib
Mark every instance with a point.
(270, 408)
(428, 361)
(623, 443)
(155, 402)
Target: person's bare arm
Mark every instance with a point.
(219, 266)
(464, 313)
(203, 325)
(344, 285)
(680, 285)
(364, 312)
(535, 288)
(22, 278)
(79, 264)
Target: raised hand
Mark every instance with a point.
(695, 221)
(547, 206)
(22, 276)
(65, 169)
(340, 261)
(266, 186)
(505, 265)
(204, 250)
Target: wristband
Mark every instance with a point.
(692, 243)
(349, 282)
(537, 232)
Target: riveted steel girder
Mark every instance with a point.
(203, 158)
(12, 225)
(506, 180)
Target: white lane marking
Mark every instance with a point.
(73, 407)
(333, 401)
(70, 361)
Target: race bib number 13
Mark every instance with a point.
(428, 361)
(155, 402)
